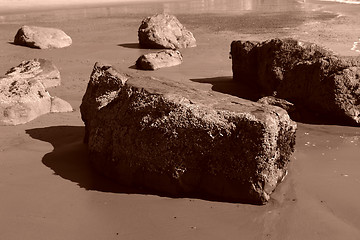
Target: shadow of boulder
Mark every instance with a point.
(235, 88)
(130, 45)
(69, 159)
(228, 86)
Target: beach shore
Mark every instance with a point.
(49, 191)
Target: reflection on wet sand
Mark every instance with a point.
(227, 7)
(230, 6)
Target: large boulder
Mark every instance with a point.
(23, 96)
(305, 74)
(42, 37)
(164, 31)
(165, 58)
(39, 69)
(168, 137)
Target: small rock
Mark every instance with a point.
(41, 37)
(153, 61)
(164, 31)
(58, 105)
(286, 105)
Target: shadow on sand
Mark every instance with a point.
(130, 45)
(228, 86)
(302, 114)
(69, 159)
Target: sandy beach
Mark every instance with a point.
(49, 191)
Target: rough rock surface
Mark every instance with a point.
(270, 100)
(305, 74)
(153, 61)
(162, 135)
(42, 37)
(23, 96)
(164, 31)
(38, 69)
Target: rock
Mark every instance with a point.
(22, 100)
(288, 106)
(153, 61)
(168, 137)
(41, 37)
(305, 74)
(164, 31)
(23, 96)
(39, 69)
(58, 105)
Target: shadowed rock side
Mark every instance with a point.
(305, 74)
(41, 37)
(23, 95)
(164, 31)
(168, 137)
(153, 61)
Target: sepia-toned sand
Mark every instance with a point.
(48, 190)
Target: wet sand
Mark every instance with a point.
(49, 191)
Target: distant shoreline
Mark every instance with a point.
(9, 8)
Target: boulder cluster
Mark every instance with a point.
(163, 136)
(163, 31)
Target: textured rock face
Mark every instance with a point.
(23, 96)
(305, 74)
(167, 137)
(153, 61)
(38, 69)
(288, 106)
(22, 100)
(164, 31)
(41, 37)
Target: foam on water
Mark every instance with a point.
(344, 1)
(355, 46)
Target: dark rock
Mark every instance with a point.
(164, 31)
(305, 74)
(41, 37)
(23, 96)
(168, 137)
(153, 61)
(38, 69)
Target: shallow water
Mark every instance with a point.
(224, 7)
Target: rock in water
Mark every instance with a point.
(41, 37)
(39, 69)
(168, 137)
(153, 61)
(305, 74)
(23, 96)
(164, 31)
